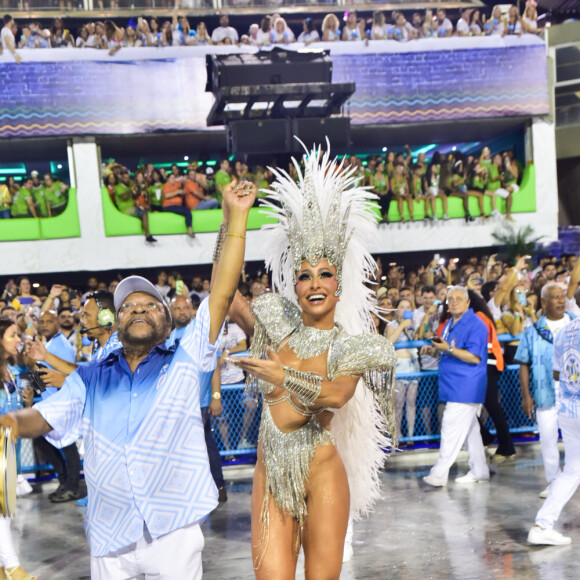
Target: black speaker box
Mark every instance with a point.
(315, 130)
(265, 136)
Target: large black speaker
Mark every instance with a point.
(277, 135)
(272, 67)
(264, 136)
(314, 131)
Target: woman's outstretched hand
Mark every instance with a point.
(269, 370)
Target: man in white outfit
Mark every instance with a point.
(567, 377)
(535, 354)
(462, 386)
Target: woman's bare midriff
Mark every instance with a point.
(284, 416)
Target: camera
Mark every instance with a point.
(35, 381)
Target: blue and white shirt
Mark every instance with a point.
(59, 346)
(145, 461)
(112, 344)
(567, 363)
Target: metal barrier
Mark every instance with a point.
(236, 430)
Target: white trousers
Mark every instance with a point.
(459, 426)
(547, 418)
(8, 557)
(174, 556)
(564, 486)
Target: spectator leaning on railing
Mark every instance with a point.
(178, 31)
(8, 37)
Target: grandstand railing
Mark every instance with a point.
(428, 411)
(122, 7)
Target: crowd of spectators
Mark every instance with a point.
(33, 196)
(412, 301)
(396, 177)
(271, 30)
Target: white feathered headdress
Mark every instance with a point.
(326, 214)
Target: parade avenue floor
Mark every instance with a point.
(416, 532)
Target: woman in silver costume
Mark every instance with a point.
(312, 355)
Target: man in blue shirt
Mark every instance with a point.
(535, 354)
(69, 470)
(462, 385)
(183, 313)
(138, 411)
(567, 379)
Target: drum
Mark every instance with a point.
(7, 474)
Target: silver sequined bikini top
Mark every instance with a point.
(276, 319)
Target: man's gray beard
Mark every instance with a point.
(141, 344)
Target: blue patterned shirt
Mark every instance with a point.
(567, 363)
(536, 349)
(112, 344)
(145, 456)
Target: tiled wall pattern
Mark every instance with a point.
(142, 96)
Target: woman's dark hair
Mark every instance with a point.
(478, 304)
(472, 16)
(266, 24)
(487, 289)
(19, 280)
(309, 24)
(5, 324)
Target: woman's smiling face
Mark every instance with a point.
(316, 287)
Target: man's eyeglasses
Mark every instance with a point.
(146, 307)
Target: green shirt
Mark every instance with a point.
(39, 196)
(124, 205)
(221, 180)
(417, 185)
(380, 184)
(400, 185)
(55, 194)
(19, 205)
(4, 197)
(493, 180)
(155, 191)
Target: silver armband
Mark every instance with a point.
(305, 386)
(219, 243)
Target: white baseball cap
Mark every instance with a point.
(134, 284)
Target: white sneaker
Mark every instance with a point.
(543, 537)
(544, 493)
(22, 486)
(495, 213)
(445, 217)
(434, 481)
(470, 478)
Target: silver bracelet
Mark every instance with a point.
(305, 386)
(219, 243)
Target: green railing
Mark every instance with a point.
(119, 224)
(65, 225)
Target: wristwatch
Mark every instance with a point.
(217, 396)
(450, 350)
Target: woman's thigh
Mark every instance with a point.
(328, 503)
(274, 546)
